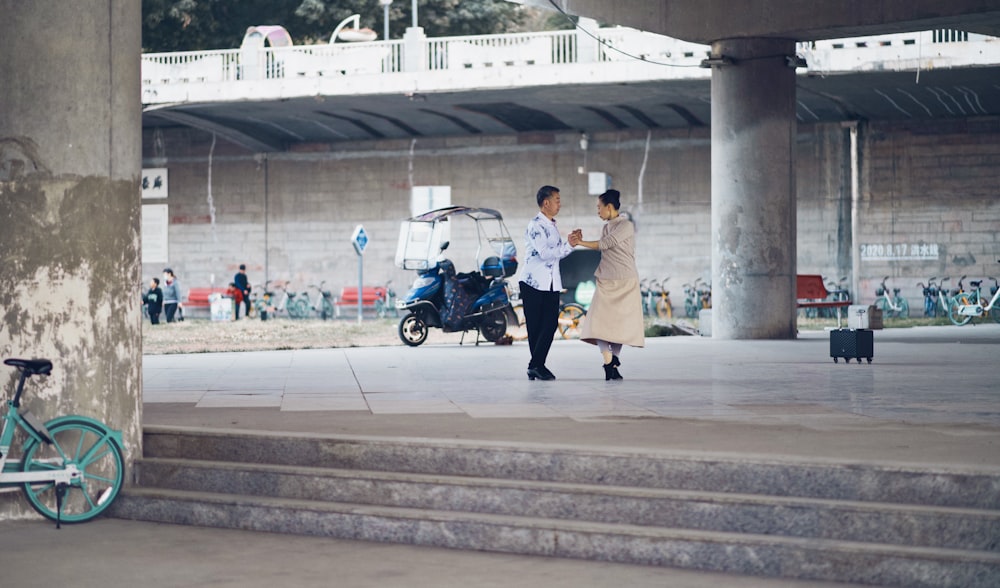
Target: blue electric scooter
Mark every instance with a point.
(450, 301)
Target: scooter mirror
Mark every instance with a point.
(445, 245)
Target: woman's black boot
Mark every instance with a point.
(608, 368)
(615, 362)
(614, 375)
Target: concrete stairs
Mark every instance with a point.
(855, 523)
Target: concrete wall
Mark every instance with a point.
(289, 216)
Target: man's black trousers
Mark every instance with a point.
(541, 317)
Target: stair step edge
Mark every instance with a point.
(578, 488)
(557, 525)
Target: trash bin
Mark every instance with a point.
(221, 307)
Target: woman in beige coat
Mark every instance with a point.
(615, 315)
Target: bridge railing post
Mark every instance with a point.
(414, 49)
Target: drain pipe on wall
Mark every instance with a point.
(642, 174)
(211, 204)
(855, 197)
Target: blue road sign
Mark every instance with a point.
(359, 239)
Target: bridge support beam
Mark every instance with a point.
(70, 162)
(753, 190)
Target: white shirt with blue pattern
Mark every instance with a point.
(544, 247)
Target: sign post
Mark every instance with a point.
(360, 240)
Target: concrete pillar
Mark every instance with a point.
(70, 163)
(753, 190)
(414, 49)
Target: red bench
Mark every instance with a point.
(810, 292)
(198, 297)
(349, 297)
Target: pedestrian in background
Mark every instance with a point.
(171, 294)
(242, 283)
(237, 296)
(615, 314)
(154, 301)
(541, 282)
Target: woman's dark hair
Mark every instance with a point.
(544, 193)
(612, 197)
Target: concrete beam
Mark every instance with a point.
(706, 21)
(240, 138)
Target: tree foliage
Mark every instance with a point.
(195, 25)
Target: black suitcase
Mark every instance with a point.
(848, 343)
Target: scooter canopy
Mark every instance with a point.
(421, 237)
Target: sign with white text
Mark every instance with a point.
(899, 251)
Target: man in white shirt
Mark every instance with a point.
(540, 281)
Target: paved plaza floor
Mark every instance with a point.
(930, 396)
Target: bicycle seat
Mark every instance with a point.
(976, 284)
(32, 366)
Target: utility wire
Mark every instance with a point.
(638, 58)
(609, 45)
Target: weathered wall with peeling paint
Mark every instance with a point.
(70, 159)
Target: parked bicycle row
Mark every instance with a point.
(273, 299)
(277, 299)
(960, 304)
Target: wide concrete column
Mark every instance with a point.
(70, 163)
(753, 190)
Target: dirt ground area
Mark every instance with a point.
(204, 336)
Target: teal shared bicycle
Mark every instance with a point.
(70, 468)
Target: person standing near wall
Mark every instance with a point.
(242, 284)
(154, 301)
(541, 282)
(615, 314)
(171, 294)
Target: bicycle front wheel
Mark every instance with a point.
(955, 307)
(664, 309)
(690, 309)
(299, 309)
(904, 307)
(569, 320)
(97, 456)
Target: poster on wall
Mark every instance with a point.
(425, 198)
(154, 182)
(154, 233)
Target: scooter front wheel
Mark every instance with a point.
(412, 330)
(493, 326)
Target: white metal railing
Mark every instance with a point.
(529, 50)
(190, 67)
(513, 50)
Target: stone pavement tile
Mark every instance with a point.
(520, 410)
(409, 404)
(168, 396)
(245, 398)
(307, 403)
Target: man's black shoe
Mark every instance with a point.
(540, 373)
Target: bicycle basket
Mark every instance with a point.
(880, 291)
